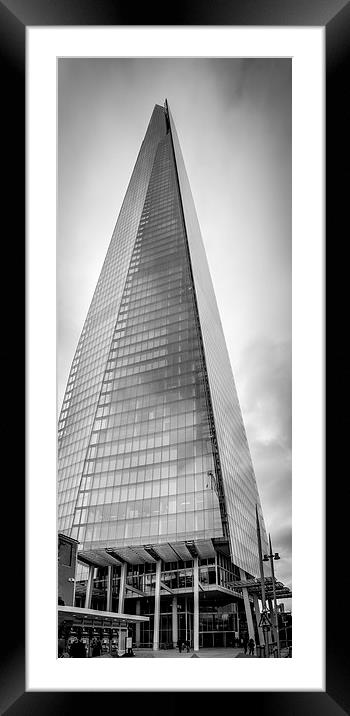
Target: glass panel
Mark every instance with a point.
(151, 419)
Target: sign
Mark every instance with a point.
(128, 642)
(264, 619)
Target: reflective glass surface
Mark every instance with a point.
(239, 483)
(145, 474)
(88, 367)
(135, 438)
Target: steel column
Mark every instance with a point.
(257, 614)
(89, 586)
(195, 605)
(138, 625)
(109, 588)
(247, 608)
(157, 607)
(174, 622)
(122, 588)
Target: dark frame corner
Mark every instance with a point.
(15, 16)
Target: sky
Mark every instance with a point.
(233, 119)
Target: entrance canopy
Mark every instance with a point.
(168, 552)
(254, 587)
(97, 618)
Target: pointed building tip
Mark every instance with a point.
(166, 112)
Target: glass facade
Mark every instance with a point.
(236, 469)
(88, 367)
(151, 438)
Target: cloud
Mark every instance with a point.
(266, 390)
(264, 385)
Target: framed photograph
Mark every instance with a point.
(233, 118)
(41, 50)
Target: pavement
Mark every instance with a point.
(228, 653)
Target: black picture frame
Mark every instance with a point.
(334, 15)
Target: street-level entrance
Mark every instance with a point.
(112, 629)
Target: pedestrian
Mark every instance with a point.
(96, 648)
(77, 650)
(251, 645)
(245, 643)
(62, 652)
(187, 645)
(179, 643)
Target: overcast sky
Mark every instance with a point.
(233, 119)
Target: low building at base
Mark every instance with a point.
(112, 630)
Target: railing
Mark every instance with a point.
(286, 648)
(270, 650)
(285, 643)
(265, 651)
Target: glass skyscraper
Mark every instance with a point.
(155, 478)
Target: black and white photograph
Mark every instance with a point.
(172, 183)
(174, 357)
(175, 184)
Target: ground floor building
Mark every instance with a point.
(191, 600)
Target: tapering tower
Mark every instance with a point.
(154, 461)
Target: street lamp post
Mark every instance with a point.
(271, 557)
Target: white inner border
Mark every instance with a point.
(305, 671)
